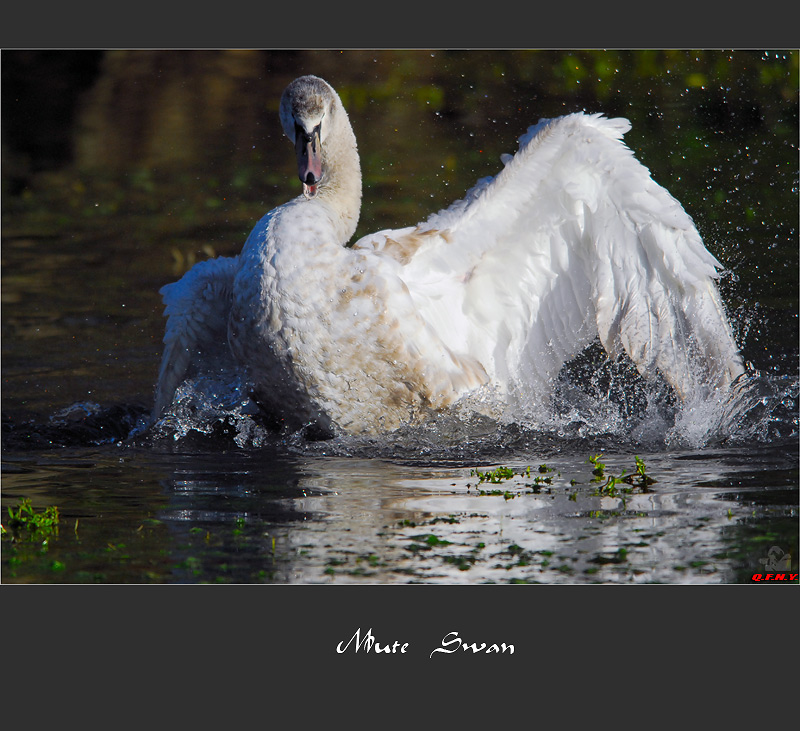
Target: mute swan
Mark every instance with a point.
(571, 241)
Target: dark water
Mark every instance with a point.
(136, 186)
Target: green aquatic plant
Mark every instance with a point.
(599, 468)
(639, 479)
(507, 494)
(611, 485)
(641, 475)
(431, 540)
(609, 488)
(26, 523)
(495, 476)
(500, 474)
(621, 556)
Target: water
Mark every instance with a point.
(214, 497)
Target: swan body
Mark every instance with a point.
(570, 242)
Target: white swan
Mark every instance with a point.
(571, 241)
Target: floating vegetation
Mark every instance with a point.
(501, 474)
(495, 476)
(25, 523)
(621, 556)
(612, 485)
(643, 478)
(599, 468)
(639, 479)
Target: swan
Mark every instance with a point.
(572, 241)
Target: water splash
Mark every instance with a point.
(757, 408)
(613, 407)
(211, 406)
(83, 423)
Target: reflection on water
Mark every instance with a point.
(282, 515)
(97, 221)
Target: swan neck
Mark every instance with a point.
(341, 189)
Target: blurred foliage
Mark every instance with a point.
(146, 121)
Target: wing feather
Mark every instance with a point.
(197, 307)
(571, 241)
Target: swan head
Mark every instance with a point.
(306, 113)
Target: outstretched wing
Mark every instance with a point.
(570, 241)
(196, 336)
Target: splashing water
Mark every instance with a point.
(613, 405)
(210, 406)
(757, 408)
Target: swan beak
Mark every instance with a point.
(309, 160)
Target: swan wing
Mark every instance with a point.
(571, 241)
(197, 307)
